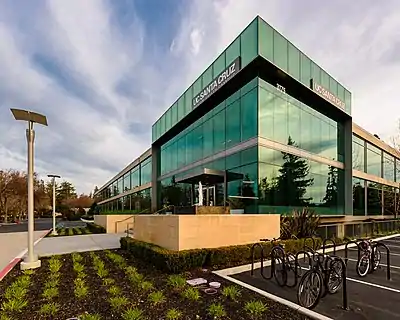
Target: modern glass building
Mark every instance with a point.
(265, 129)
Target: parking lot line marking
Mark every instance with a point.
(381, 264)
(374, 285)
(310, 313)
(382, 252)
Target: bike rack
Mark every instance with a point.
(253, 247)
(325, 243)
(297, 264)
(346, 250)
(314, 246)
(374, 247)
(344, 282)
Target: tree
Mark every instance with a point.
(331, 195)
(172, 193)
(291, 186)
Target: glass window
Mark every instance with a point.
(248, 43)
(374, 198)
(266, 41)
(188, 100)
(316, 72)
(120, 185)
(305, 66)
(249, 156)
(280, 51)
(266, 113)
(208, 133)
(333, 86)
(324, 79)
(162, 124)
(358, 156)
(358, 197)
(168, 119)
(340, 93)
(388, 167)
(174, 114)
(389, 200)
(219, 131)
(294, 62)
(197, 86)
(127, 181)
(233, 133)
(374, 160)
(153, 133)
(347, 100)
(145, 171)
(249, 114)
(219, 65)
(181, 107)
(233, 51)
(281, 133)
(398, 170)
(135, 182)
(207, 76)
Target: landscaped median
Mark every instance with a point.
(114, 285)
(74, 231)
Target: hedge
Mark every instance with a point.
(213, 258)
(95, 228)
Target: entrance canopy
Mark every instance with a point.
(210, 177)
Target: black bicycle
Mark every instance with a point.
(282, 263)
(324, 276)
(369, 257)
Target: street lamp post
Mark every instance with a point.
(31, 261)
(54, 176)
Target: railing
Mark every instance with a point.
(359, 229)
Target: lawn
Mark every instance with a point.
(71, 231)
(110, 285)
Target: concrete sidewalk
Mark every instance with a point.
(13, 244)
(80, 243)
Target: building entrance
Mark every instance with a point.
(207, 196)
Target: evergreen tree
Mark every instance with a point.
(331, 194)
(292, 184)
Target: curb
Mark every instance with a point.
(13, 262)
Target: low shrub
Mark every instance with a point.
(214, 258)
(95, 228)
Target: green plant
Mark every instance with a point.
(300, 223)
(216, 258)
(216, 310)
(28, 272)
(76, 257)
(50, 293)
(255, 308)
(133, 314)
(4, 316)
(94, 228)
(118, 302)
(102, 273)
(130, 270)
(51, 283)
(70, 231)
(135, 278)
(114, 290)
(78, 231)
(156, 297)
(173, 314)
(88, 316)
(22, 281)
(191, 293)
(79, 268)
(13, 292)
(54, 265)
(231, 292)
(108, 281)
(49, 309)
(14, 305)
(176, 281)
(80, 290)
(117, 259)
(146, 286)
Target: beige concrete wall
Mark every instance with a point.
(181, 232)
(114, 223)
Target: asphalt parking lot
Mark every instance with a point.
(372, 297)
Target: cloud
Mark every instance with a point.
(104, 71)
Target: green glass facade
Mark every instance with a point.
(277, 135)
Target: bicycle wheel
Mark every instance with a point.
(291, 263)
(335, 279)
(363, 265)
(377, 257)
(310, 289)
(280, 272)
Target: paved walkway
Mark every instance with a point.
(80, 243)
(12, 244)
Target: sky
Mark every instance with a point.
(104, 71)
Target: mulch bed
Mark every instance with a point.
(97, 302)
